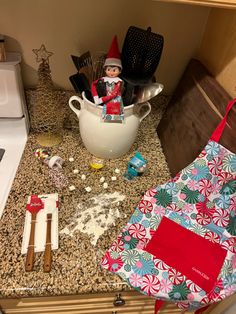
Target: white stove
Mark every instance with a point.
(14, 123)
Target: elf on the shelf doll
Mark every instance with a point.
(107, 90)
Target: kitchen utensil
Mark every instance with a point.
(41, 226)
(33, 207)
(50, 206)
(147, 92)
(48, 248)
(98, 65)
(88, 72)
(84, 65)
(2, 151)
(141, 53)
(81, 84)
(84, 60)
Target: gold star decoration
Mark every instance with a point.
(42, 54)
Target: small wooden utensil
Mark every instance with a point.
(48, 247)
(33, 207)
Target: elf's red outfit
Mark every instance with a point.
(112, 101)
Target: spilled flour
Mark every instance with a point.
(96, 215)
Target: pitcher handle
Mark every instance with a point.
(146, 113)
(72, 107)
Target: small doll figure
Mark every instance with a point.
(107, 90)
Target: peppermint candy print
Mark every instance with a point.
(203, 219)
(230, 245)
(202, 199)
(234, 261)
(183, 305)
(112, 264)
(166, 285)
(187, 208)
(118, 245)
(202, 154)
(192, 286)
(173, 207)
(160, 264)
(176, 178)
(159, 210)
(232, 206)
(221, 217)
(176, 277)
(137, 231)
(229, 163)
(224, 177)
(205, 301)
(150, 193)
(150, 284)
(193, 185)
(212, 237)
(215, 292)
(205, 187)
(142, 243)
(215, 165)
(206, 207)
(145, 206)
(104, 262)
(135, 280)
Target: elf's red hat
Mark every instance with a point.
(113, 56)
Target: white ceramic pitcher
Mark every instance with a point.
(107, 140)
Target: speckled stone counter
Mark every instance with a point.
(76, 264)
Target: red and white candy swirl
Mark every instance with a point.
(150, 284)
(145, 206)
(176, 277)
(137, 231)
(221, 217)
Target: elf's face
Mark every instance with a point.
(112, 71)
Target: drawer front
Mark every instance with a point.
(81, 304)
(102, 303)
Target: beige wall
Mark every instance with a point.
(74, 26)
(218, 49)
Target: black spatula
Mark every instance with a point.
(141, 53)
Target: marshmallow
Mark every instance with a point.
(113, 178)
(102, 179)
(117, 170)
(83, 177)
(75, 171)
(88, 189)
(105, 185)
(71, 159)
(71, 187)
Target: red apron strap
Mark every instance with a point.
(158, 305)
(199, 311)
(216, 135)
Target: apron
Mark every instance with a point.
(180, 243)
(114, 109)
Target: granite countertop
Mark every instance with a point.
(76, 264)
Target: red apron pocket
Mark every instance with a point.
(195, 257)
(113, 108)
